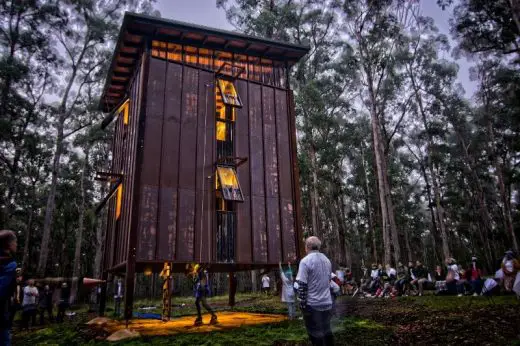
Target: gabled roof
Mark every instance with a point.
(137, 27)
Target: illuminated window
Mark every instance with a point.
(174, 52)
(123, 110)
(229, 94)
(254, 70)
(221, 131)
(241, 63)
(228, 184)
(223, 62)
(190, 55)
(206, 58)
(119, 201)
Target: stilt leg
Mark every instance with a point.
(232, 289)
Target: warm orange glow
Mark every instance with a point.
(228, 93)
(228, 184)
(190, 55)
(147, 271)
(119, 201)
(174, 52)
(221, 131)
(227, 320)
(125, 109)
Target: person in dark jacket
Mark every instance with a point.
(201, 291)
(45, 304)
(64, 302)
(421, 277)
(8, 246)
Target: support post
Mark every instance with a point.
(129, 286)
(103, 294)
(232, 288)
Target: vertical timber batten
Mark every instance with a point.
(132, 241)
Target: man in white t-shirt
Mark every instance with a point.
(314, 293)
(30, 293)
(266, 284)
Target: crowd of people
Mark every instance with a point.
(415, 278)
(32, 300)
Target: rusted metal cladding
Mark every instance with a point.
(176, 212)
(177, 187)
(124, 155)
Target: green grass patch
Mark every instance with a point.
(446, 303)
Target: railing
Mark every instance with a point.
(226, 230)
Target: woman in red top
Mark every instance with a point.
(474, 276)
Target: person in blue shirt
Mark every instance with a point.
(8, 246)
(201, 291)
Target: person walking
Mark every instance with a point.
(266, 284)
(314, 293)
(287, 290)
(202, 291)
(30, 294)
(8, 246)
(45, 304)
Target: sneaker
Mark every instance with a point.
(459, 295)
(198, 322)
(475, 294)
(213, 320)
(420, 294)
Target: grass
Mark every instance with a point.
(370, 322)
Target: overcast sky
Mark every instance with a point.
(205, 12)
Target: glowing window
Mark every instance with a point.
(221, 131)
(206, 58)
(174, 52)
(228, 184)
(229, 94)
(124, 111)
(119, 201)
(190, 55)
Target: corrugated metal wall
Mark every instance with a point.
(176, 218)
(123, 161)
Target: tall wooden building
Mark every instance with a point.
(204, 165)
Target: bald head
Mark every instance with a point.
(312, 244)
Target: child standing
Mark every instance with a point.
(287, 290)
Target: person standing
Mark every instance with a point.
(118, 297)
(63, 303)
(287, 290)
(30, 293)
(314, 293)
(266, 284)
(45, 304)
(8, 246)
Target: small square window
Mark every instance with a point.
(229, 94)
(228, 184)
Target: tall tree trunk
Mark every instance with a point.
(371, 223)
(506, 199)
(314, 191)
(515, 9)
(26, 245)
(436, 189)
(60, 127)
(345, 249)
(51, 203)
(81, 224)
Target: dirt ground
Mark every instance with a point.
(427, 320)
